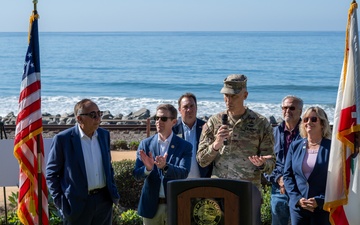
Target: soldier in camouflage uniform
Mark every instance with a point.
(249, 151)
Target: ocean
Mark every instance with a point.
(126, 71)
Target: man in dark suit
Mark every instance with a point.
(79, 172)
(189, 127)
(159, 159)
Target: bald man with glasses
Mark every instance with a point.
(79, 173)
(160, 158)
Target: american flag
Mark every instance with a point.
(28, 137)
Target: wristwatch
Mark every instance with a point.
(166, 167)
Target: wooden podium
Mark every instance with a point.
(210, 201)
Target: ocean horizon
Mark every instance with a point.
(126, 71)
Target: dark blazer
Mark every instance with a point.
(178, 161)
(178, 130)
(66, 173)
(279, 150)
(296, 184)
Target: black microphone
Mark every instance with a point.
(224, 121)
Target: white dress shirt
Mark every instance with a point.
(93, 160)
(190, 136)
(163, 147)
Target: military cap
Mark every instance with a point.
(234, 83)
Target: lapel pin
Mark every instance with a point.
(172, 146)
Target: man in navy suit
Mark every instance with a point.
(79, 172)
(189, 127)
(159, 159)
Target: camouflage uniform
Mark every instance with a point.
(250, 135)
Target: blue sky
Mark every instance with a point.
(177, 15)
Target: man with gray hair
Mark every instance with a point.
(238, 140)
(285, 133)
(79, 173)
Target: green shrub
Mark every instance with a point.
(121, 144)
(266, 205)
(129, 189)
(13, 200)
(54, 214)
(13, 219)
(130, 217)
(116, 216)
(134, 145)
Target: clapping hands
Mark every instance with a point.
(149, 161)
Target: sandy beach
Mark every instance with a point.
(116, 156)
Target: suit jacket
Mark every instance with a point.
(178, 130)
(296, 184)
(66, 173)
(279, 150)
(178, 161)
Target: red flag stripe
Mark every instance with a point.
(30, 90)
(25, 134)
(31, 112)
(29, 158)
(29, 109)
(28, 191)
(25, 188)
(29, 79)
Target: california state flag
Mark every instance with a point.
(342, 196)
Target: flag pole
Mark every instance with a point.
(357, 134)
(39, 158)
(35, 3)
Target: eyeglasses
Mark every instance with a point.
(312, 119)
(292, 108)
(93, 114)
(162, 118)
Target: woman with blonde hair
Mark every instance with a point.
(305, 170)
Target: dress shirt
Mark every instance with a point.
(163, 147)
(190, 136)
(93, 160)
(290, 136)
